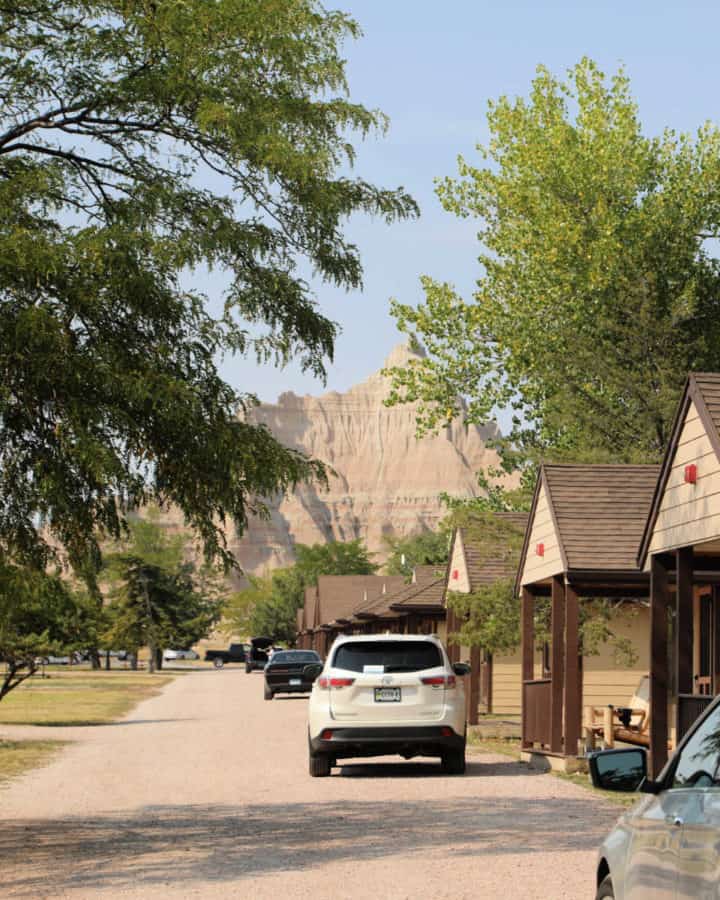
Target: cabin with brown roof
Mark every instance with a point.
(494, 682)
(413, 608)
(585, 526)
(337, 597)
(680, 551)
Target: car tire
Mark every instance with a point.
(605, 891)
(218, 663)
(268, 693)
(320, 765)
(453, 762)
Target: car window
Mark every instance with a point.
(387, 656)
(699, 760)
(297, 656)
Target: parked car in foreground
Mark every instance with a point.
(180, 654)
(285, 672)
(235, 653)
(387, 694)
(257, 654)
(666, 846)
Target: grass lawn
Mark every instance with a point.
(79, 698)
(18, 756)
(512, 748)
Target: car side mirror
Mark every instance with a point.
(311, 672)
(461, 669)
(619, 770)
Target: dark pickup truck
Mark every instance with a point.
(236, 653)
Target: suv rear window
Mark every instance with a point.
(296, 656)
(392, 656)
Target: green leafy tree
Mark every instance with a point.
(427, 548)
(157, 608)
(333, 558)
(598, 289)
(139, 143)
(39, 616)
(157, 598)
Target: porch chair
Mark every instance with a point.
(629, 724)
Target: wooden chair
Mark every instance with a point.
(628, 724)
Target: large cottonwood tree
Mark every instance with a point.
(142, 140)
(599, 286)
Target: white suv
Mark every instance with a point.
(383, 694)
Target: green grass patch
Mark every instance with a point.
(17, 757)
(504, 746)
(79, 698)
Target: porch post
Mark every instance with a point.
(659, 604)
(556, 666)
(453, 649)
(527, 649)
(489, 682)
(573, 698)
(474, 686)
(684, 622)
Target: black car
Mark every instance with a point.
(257, 655)
(284, 672)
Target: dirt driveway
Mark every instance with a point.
(203, 792)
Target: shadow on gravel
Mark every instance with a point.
(475, 769)
(187, 843)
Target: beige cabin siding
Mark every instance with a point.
(537, 568)
(506, 699)
(603, 681)
(689, 513)
(461, 584)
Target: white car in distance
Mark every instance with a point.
(386, 694)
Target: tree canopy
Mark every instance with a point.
(40, 615)
(598, 288)
(140, 143)
(157, 599)
(426, 548)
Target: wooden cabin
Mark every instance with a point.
(585, 526)
(680, 551)
(494, 683)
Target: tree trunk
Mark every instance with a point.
(158, 659)
(107, 660)
(133, 661)
(95, 659)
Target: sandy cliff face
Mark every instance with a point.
(387, 481)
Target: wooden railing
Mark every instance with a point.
(689, 709)
(536, 724)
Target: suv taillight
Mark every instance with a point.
(446, 681)
(325, 683)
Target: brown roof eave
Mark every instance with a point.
(420, 608)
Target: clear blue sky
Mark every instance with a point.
(432, 67)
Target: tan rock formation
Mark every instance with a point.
(387, 481)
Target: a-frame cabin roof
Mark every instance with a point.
(586, 518)
(683, 513)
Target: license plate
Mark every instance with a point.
(387, 695)
(295, 681)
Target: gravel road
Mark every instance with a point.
(203, 791)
